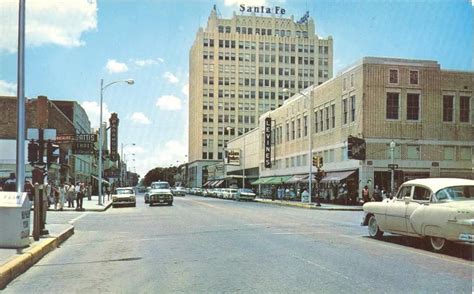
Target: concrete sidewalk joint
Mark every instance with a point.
(19, 264)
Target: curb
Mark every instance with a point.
(306, 206)
(85, 209)
(20, 264)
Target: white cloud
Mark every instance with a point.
(7, 89)
(169, 102)
(93, 111)
(56, 22)
(160, 59)
(171, 78)
(140, 118)
(185, 89)
(172, 153)
(147, 62)
(113, 66)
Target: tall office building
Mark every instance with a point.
(239, 68)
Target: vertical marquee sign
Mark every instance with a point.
(114, 122)
(268, 142)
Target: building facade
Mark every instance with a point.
(239, 68)
(81, 164)
(425, 111)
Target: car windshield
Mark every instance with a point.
(160, 186)
(457, 193)
(124, 191)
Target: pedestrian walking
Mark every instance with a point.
(79, 195)
(365, 194)
(305, 195)
(89, 191)
(62, 195)
(71, 195)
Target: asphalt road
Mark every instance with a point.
(205, 245)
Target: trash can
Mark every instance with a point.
(14, 220)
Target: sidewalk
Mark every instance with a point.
(324, 206)
(14, 262)
(88, 205)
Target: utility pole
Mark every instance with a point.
(21, 120)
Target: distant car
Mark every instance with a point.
(147, 195)
(245, 194)
(179, 191)
(141, 189)
(124, 196)
(438, 209)
(229, 193)
(160, 193)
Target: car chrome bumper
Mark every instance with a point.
(467, 238)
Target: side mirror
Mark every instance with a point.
(407, 200)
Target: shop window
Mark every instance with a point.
(413, 152)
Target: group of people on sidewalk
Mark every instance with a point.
(69, 192)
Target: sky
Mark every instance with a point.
(72, 44)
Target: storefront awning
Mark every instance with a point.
(103, 181)
(337, 176)
(218, 183)
(297, 179)
(260, 181)
(206, 183)
(278, 180)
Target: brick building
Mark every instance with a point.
(40, 113)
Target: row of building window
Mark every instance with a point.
(262, 31)
(413, 107)
(265, 58)
(393, 77)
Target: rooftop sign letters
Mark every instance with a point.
(262, 9)
(268, 142)
(114, 122)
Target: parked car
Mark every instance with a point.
(124, 196)
(160, 193)
(440, 210)
(178, 191)
(147, 195)
(245, 194)
(229, 193)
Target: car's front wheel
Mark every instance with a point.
(374, 230)
(438, 244)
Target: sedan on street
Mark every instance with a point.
(441, 210)
(160, 193)
(124, 196)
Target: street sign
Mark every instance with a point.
(69, 138)
(82, 148)
(392, 166)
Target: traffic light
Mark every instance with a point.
(355, 148)
(52, 152)
(33, 149)
(315, 160)
(320, 162)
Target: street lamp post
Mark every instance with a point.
(122, 170)
(227, 149)
(392, 149)
(101, 129)
(310, 143)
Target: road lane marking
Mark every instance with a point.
(78, 218)
(417, 251)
